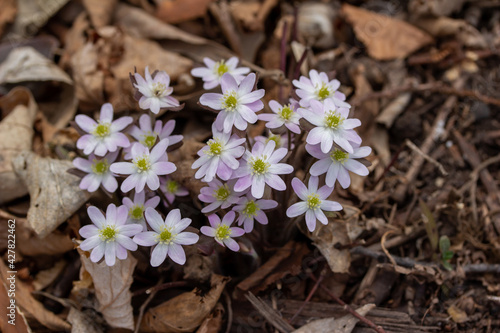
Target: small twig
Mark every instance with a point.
(308, 298)
(426, 157)
(382, 244)
(160, 287)
(143, 307)
(346, 306)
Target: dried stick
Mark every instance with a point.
(143, 306)
(429, 159)
(346, 306)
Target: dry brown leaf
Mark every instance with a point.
(16, 134)
(177, 11)
(343, 324)
(82, 323)
(30, 244)
(25, 64)
(100, 12)
(11, 312)
(32, 306)
(112, 288)
(185, 312)
(385, 38)
(325, 237)
(434, 7)
(458, 315)
(44, 278)
(8, 13)
(54, 193)
(213, 323)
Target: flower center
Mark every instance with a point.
(222, 232)
(165, 236)
(221, 68)
(158, 89)
(108, 234)
(276, 139)
(313, 201)
(142, 164)
(286, 112)
(339, 156)
(136, 212)
(251, 209)
(229, 101)
(102, 130)
(172, 186)
(333, 120)
(323, 92)
(259, 166)
(100, 166)
(214, 147)
(221, 193)
(149, 139)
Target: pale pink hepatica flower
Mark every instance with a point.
(318, 87)
(222, 232)
(281, 140)
(237, 103)
(109, 236)
(171, 188)
(145, 167)
(261, 167)
(148, 136)
(218, 194)
(313, 202)
(166, 237)
(337, 164)
(332, 126)
(212, 74)
(219, 156)
(250, 209)
(282, 115)
(98, 172)
(155, 92)
(137, 208)
(104, 135)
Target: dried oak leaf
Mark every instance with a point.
(385, 38)
(32, 306)
(185, 312)
(100, 12)
(177, 11)
(25, 64)
(434, 7)
(54, 193)
(16, 135)
(112, 288)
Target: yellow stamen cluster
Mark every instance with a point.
(222, 232)
(100, 166)
(102, 130)
(229, 101)
(108, 234)
(158, 89)
(220, 68)
(333, 119)
(214, 147)
(313, 201)
(339, 156)
(286, 112)
(136, 212)
(323, 92)
(142, 164)
(165, 236)
(259, 166)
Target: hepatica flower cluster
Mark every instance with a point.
(250, 179)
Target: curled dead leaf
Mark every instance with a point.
(54, 193)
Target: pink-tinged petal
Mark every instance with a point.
(209, 85)
(330, 206)
(351, 123)
(126, 242)
(110, 254)
(269, 148)
(239, 122)
(280, 169)
(181, 225)
(326, 142)
(100, 149)
(139, 197)
(145, 102)
(123, 168)
(209, 62)
(153, 202)
(212, 100)
(320, 167)
(87, 143)
(344, 178)
(310, 220)
(224, 172)
(90, 183)
(243, 183)
(173, 217)
(111, 214)
(293, 127)
(261, 217)
(352, 136)
(90, 243)
(154, 219)
(177, 254)
(208, 231)
(159, 254)
(332, 174)
(127, 202)
(356, 167)
(211, 207)
(278, 155)
(120, 123)
(313, 184)
(324, 192)
(315, 151)
(186, 238)
(163, 168)
(228, 83)
(119, 139)
(252, 97)
(121, 215)
(97, 253)
(200, 72)
(85, 123)
(158, 150)
(296, 209)
(214, 220)
(130, 230)
(321, 216)
(82, 164)
(228, 218)
(106, 115)
(275, 182)
(246, 85)
(147, 238)
(248, 114)
(229, 159)
(275, 106)
(231, 244)
(315, 136)
(267, 204)
(96, 216)
(237, 232)
(153, 181)
(145, 123)
(139, 150)
(361, 152)
(300, 189)
(258, 185)
(266, 117)
(162, 77)
(121, 252)
(155, 105)
(248, 224)
(88, 231)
